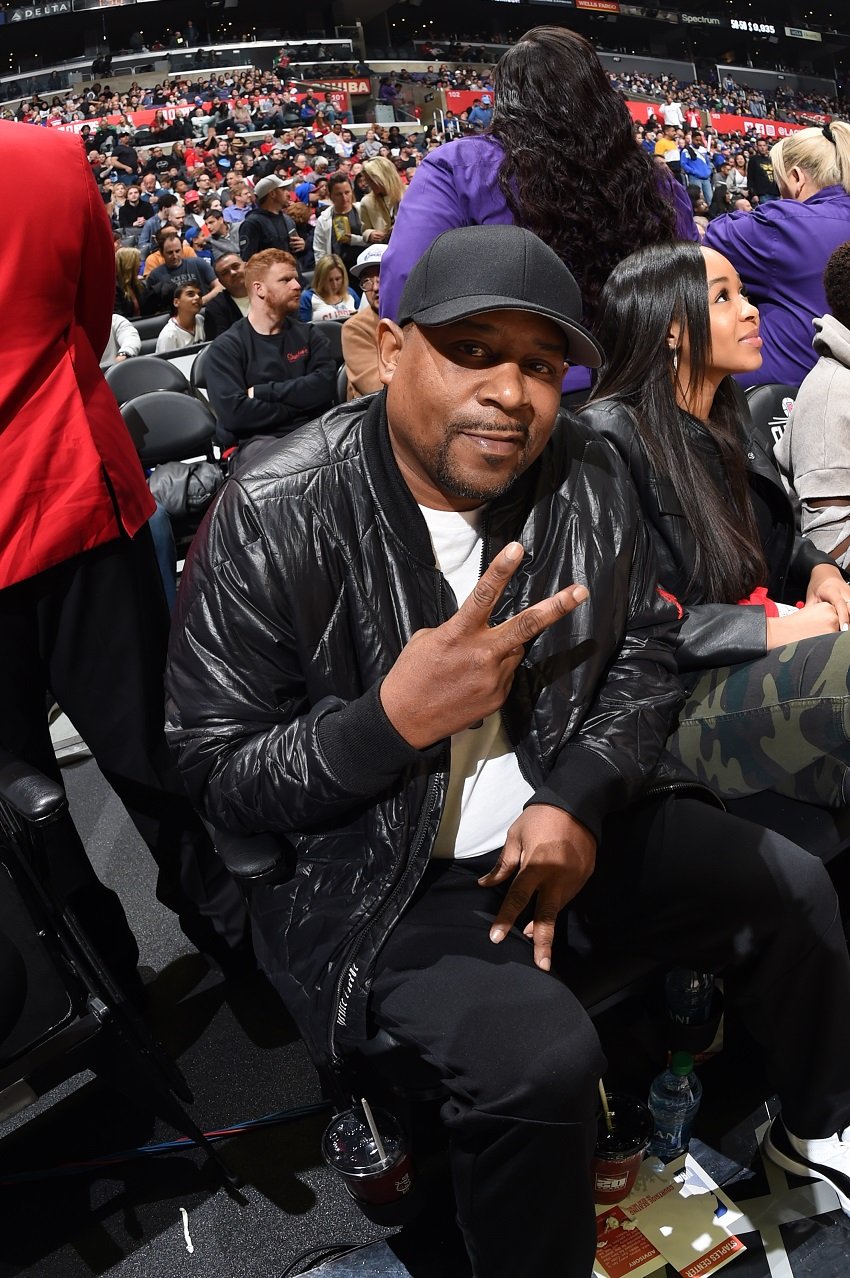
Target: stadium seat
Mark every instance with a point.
(342, 384)
(169, 426)
(769, 407)
(144, 373)
(332, 330)
(198, 376)
(62, 1013)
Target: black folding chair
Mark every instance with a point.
(332, 330)
(144, 373)
(198, 374)
(770, 407)
(61, 1010)
(167, 425)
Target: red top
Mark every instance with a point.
(71, 478)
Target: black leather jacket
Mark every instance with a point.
(712, 634)
(308, 576)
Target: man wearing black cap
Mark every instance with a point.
(124, 156)
(420, 647)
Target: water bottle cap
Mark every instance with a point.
(681, 1063)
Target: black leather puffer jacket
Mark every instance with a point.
(713, 634)
(307, 578)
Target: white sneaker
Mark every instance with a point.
(827, 1159)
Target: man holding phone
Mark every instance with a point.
(267, 224)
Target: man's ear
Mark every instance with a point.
(390, 340)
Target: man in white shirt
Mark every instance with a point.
(671, 112)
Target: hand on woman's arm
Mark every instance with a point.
(827, 585)
(803, 623)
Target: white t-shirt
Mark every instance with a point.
(322, 310)
(173, 338)
(487, 791)
(671, 113)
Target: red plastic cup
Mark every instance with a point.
(349, 1147)
(619, 1153)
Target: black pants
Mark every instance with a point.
(93, 631)
(519, 1056)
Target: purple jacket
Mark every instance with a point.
(458, 185)
(780, 252)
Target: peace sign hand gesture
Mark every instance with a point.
(450, 677)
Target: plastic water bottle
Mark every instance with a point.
(689, 996)
(674, 1099)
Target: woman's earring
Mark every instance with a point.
(675, 359)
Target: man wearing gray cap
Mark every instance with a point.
(421, 646)
(267, 225)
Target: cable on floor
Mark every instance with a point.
(164, 1147)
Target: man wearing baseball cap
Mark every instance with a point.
(267, 225)
(420, 643)
(359, 345)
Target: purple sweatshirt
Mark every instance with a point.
(780, 252)
(458, 185)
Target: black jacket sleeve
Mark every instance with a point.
(219, 315)
(252, 756)
(712, 634)
(250, 237)
(607, 763)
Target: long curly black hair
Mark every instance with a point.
(572, 171)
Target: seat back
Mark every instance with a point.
(150, 326)
(169, 426)
(342, 384)
(61, 1011)
(144, 373)
(770, 407)
(198, 374)
(332, 330)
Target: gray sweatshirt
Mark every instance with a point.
(814, 452)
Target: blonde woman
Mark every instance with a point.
(781, 250)
(330, 298)
(378, 208)
(129, 289)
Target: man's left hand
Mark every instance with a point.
(551, 856)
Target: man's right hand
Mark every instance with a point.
(453, 676)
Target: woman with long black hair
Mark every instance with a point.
(765, 646)
(559, 158)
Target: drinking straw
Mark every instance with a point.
(605, 1110)
(370, 1119)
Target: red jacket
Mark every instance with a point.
(71, 478)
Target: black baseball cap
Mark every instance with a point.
(474, 269)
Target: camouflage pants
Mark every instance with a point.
(779, 723)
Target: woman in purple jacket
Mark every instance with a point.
(559, 158)
(781, 250)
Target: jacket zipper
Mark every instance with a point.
(675, 787)
(424, 818)
(418, 839)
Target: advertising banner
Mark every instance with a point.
(458, 100)
(771, 129)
